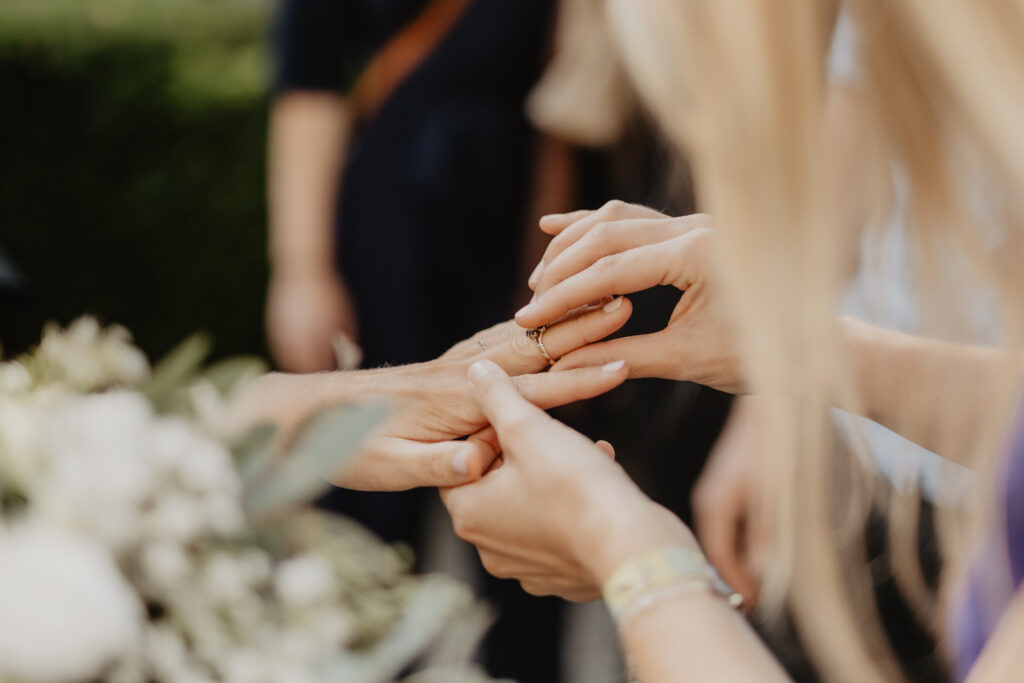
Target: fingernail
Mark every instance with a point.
(613, 305)
(614, 366)
(535, 275)
(460, 461)
(480, 369)
(553, 217)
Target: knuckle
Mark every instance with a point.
(463, 528)
(517, 425)
(606, 263)
(523, 346)
(613, 207)
(603, 230)
(494, 565)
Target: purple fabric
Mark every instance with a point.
(998, 569)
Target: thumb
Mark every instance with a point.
(395, 464)
(511, 415)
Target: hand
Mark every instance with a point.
(581, 222)
(727, 502)
(602, 259)
(304, 311)
(558, 514)
(434, 402)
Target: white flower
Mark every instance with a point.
(314, 634)
(167, 653)
(22, 460)
(89, 358)
(225, 514)
(165, 564)
(224, 579)
(14, 378)
(65, 609)
(197, 462)
(304, 580)
(99, 474)
(177, 517)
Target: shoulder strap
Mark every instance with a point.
(400, 55)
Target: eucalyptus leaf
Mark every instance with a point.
(175, 370)
(227, 374)
(438, 601)
(321, 448)
(255, 452)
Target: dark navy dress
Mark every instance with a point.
(431, 215)
(433, 198)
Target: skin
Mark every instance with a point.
(933, 393)
(307, 299)
(561, 517)
(433, 401)
(726, 502)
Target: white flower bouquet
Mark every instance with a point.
(141, 540)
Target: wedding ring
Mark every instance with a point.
(537, 335)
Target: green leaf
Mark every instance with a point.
(436, 605)
(255, 451)
(322, 447)
(225, 375)
(176, 370)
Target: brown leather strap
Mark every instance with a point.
(400, 56)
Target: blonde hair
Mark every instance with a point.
(739, 88)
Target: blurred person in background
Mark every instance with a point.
(399, 181)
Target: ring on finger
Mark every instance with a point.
(537, 335)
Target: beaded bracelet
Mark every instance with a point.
(647, 579)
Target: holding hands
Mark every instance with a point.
(556, 512)
(623, 248)
(434, 404)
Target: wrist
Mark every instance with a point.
(627, 530)
(311, 270)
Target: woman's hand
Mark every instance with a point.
(434, 403)
(593, 258)
(558, 513)
(728, 502)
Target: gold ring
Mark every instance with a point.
(537, 335)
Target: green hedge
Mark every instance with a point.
(131, 167)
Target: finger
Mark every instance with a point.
(555, 223)
(645, 355)
(606, 447)
(623, 273)
(549, 390)
(719, 532)
(522, 354)
(512, 415)
(611, 211)
(396, 464)
(571, 334)
(608, 238)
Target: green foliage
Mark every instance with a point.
(323, 446)
(131, 179)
